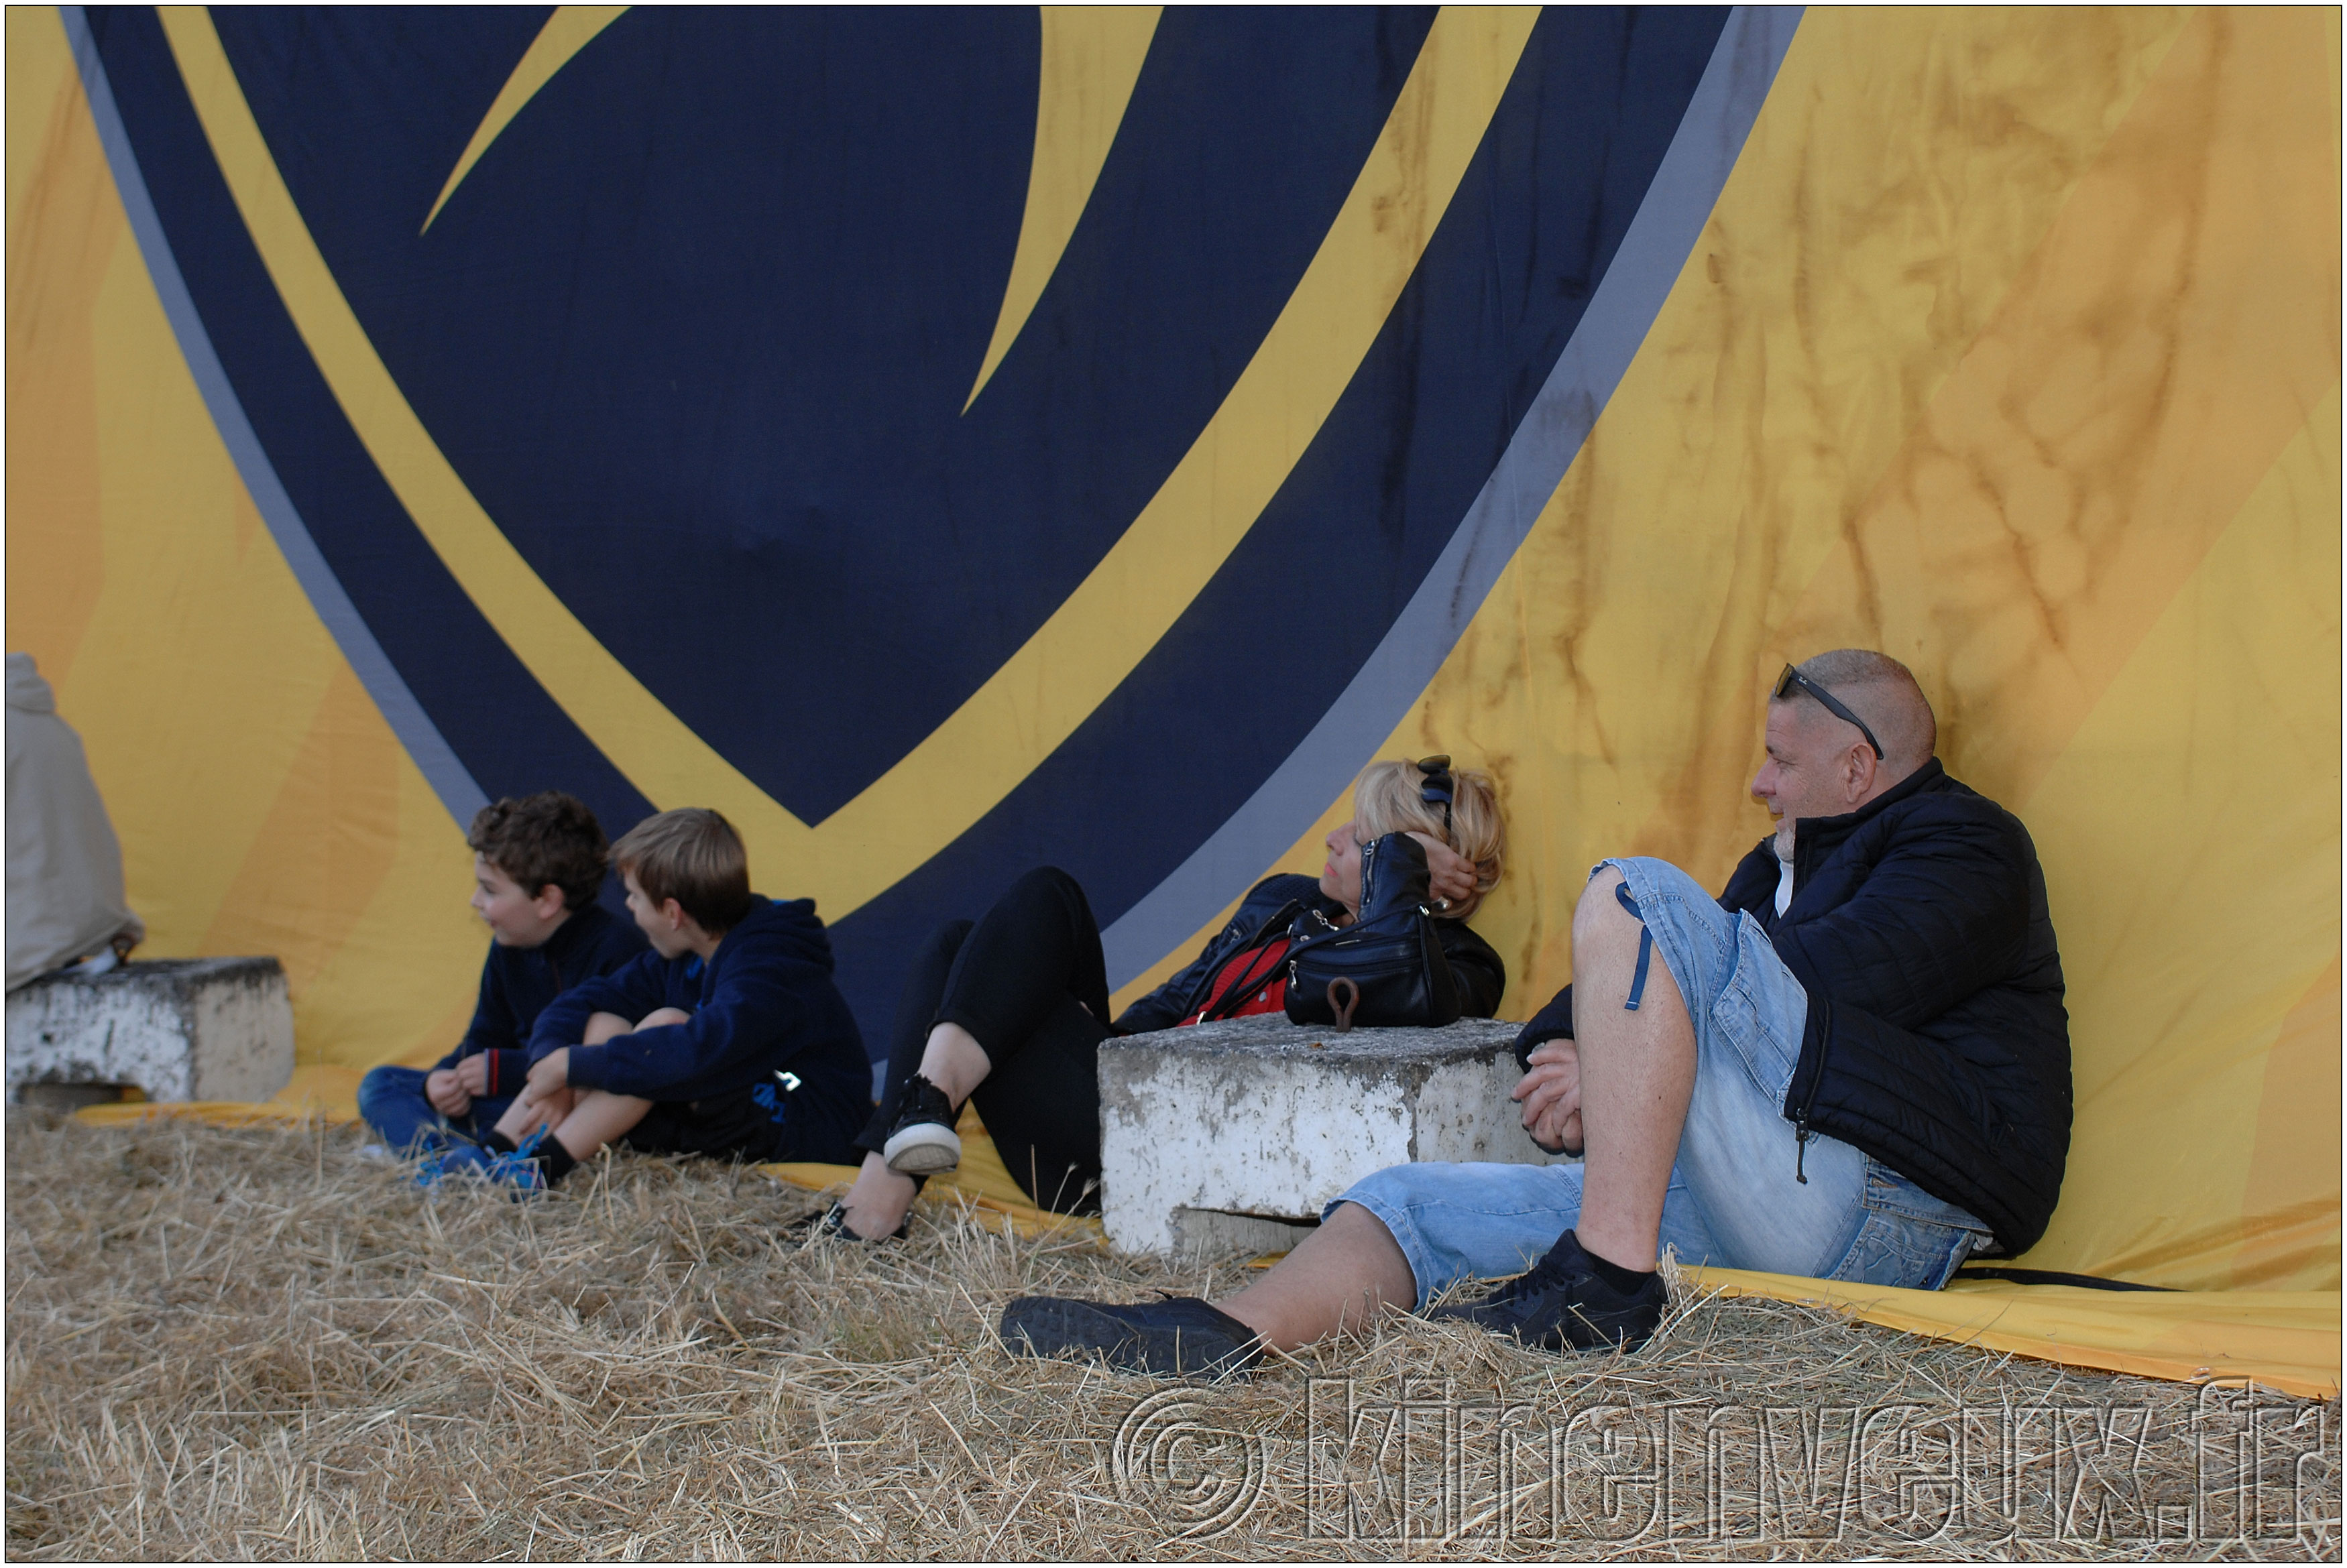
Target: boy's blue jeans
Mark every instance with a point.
(1734, 1198)
(392, 1100)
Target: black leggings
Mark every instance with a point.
(1029, 983)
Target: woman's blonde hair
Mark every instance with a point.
(1390, 798)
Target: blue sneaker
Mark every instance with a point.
(449, 1160)
(519, 1168)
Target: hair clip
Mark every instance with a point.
(1436, 789)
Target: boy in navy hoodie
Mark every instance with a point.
(537, 864)
(729, 1038)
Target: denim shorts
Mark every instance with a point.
(1734, 1197)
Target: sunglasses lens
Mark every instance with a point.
(1438, 763)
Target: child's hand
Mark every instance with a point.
(473, 1074)
(550, 1073)
(446, 1092)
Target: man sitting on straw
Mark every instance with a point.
(1872, 1081)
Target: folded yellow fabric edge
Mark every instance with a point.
(328, 1095)
(2287, 1340)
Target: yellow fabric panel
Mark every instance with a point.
(2190, 836)
(62, 231)
(40, 84)
(2138, 381)
(142, 579)
(2286, 1339)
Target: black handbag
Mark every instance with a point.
(1385, 969)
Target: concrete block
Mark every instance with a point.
(178, 1029)
(1231, 1136)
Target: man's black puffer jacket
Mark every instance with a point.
(1936, 1038)
(1479, 973)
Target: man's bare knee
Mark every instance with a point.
(1606, 938)
(1599, 914)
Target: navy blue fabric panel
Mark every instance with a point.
(707, 313)
(510, 736)
(1266, 649)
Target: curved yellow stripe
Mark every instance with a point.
(568, 31)
(1091, 58)
(1089, 646)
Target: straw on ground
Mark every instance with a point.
(251, 1343)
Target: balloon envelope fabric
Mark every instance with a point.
(954, 440)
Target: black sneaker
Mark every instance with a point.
(1180, 1337)
(923, 1141)
(1565, 1302)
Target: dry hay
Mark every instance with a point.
(251, 1343)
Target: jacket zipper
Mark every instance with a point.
(1801, 1134)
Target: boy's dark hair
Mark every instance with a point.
(694, 856)
(549, 836)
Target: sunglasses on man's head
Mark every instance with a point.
(1825, 700)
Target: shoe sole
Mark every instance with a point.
(925, 1150)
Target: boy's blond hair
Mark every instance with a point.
(1390, 798)
(694, 856)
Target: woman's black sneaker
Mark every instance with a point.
(1565, 1303)
(1180, 1337)
(923, 1142)
(832, 1224)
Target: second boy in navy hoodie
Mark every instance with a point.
(729, 1038)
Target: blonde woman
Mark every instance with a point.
(1009, 1010)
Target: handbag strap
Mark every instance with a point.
(1213, 1009)
(1248, 985)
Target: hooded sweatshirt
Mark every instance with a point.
(765, 1010)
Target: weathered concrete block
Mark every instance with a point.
(1228, 1136)
(178, 1028)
